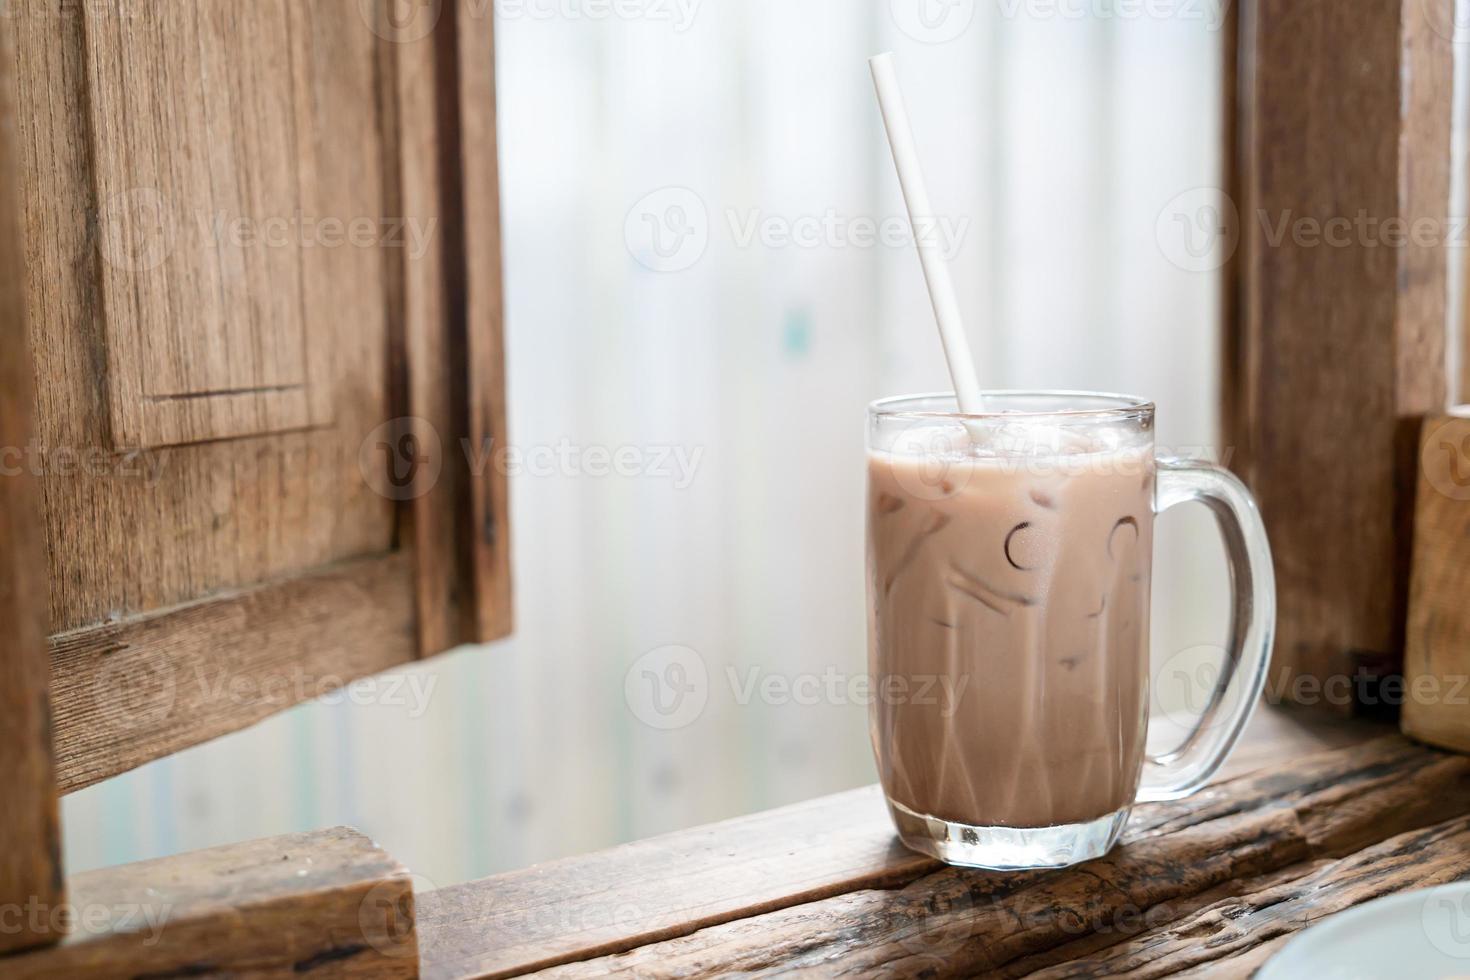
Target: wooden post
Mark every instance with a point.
(1437, 655)
(31, 889)
(1339, 346)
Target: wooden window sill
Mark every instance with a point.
(1311, 816)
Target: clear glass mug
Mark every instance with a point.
(1008, 566)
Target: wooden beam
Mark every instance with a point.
(326, 904)
(440, 92)
(127, 693)
(656, 890)
(625, 897)
(1232, 934)
(488, 532)
(432, 283)
(30, 848)
(1340, 344)
(1437, 657)
(1354, 823)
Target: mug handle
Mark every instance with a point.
(1186, 768)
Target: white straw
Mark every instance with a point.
(916, 199)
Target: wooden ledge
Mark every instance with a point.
(329, 903)
(825, 883)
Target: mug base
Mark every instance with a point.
(1007, 848)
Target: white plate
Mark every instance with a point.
(1419, 935)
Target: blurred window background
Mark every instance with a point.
(708, 277)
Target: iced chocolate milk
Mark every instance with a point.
(1008, 581)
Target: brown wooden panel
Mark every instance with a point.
(254, 554)
(444, 88)
(128, 693)
(197, 163)
(129, 533)
(1340, 345)
(329, 903)
(488, 533)
(1437, 652)
(30, 846)
(427, 133)
(674, 885)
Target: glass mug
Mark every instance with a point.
(1008, 562)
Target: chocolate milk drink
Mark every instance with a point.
(1009, 595)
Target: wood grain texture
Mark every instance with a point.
(1332, 808)
(488, 533)
(432, 288)
(1235, 405)
(1227, 934)
(1340, 346)
(198, 178)
(30, 847)
(132, 533)
(452, 327)
(127, 693)
(329, 903)
(671, 886)
(1437, 655)
(665, 886)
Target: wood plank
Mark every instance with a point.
(1235, 369)
(664, 886)
(1228, 933)
(488, 536)
(957, 922)
(194, 148)
(329, 903)
(456, 512)
(432, 290)
(128, 534)
(127, 693)
(1343, 324)
(624, 897)
(30, 846)
(1437, 650)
